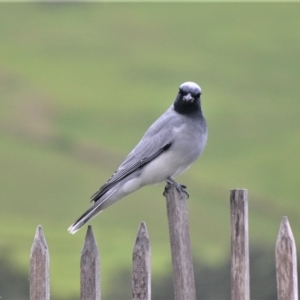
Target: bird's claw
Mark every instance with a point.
(180, 187)
(183, 191)
(166, 190)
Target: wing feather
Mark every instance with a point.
(157, 139)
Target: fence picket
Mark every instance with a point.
(39, 267)
(141, 268)
(90, 268)
(183, 271)
(239, 245)
(286, 263)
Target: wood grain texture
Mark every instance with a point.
(141, 265)
(239, 245)
(286, 263)
(39, 268)
(90, 268)
(183, 272)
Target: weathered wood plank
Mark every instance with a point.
(239, 245)
(141, 269)
(39, 267)
(183, 272)
(286, 263)
(90, 268)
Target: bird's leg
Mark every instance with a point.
(180, 187)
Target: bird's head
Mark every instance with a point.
(188, 98)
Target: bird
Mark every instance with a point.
(167, 149)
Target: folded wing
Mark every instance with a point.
(157, 139)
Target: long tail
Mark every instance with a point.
(89, 214)
(94, 210)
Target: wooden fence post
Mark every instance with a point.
(39, 267)
(141, 269)
(286, 263)
(90, 268)
(239, 245)
(183, 271)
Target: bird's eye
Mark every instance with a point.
(182, 93)
(197, 95)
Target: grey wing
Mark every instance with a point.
(157, 139)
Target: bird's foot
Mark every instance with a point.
(180, 187)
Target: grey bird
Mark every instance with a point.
(168, 148)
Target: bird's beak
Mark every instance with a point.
(188, 98)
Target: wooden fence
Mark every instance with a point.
(183, 274)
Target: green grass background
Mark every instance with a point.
(80, 84)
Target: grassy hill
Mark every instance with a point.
(79, 85)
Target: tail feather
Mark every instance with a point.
(93, 211)
(88, 215)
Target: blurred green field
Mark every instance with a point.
(80, 84)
